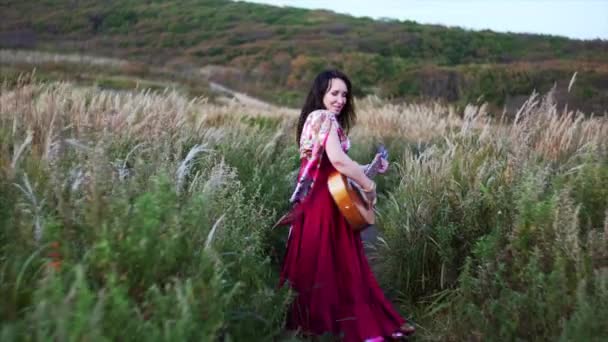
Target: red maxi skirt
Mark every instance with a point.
(325, 264)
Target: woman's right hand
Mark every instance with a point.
(371, 197)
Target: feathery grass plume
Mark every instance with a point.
(79, 145)
(211, 234)
(220, 176)
(572, 80)
(411, 121)
(74, 179)
(540, 128)
(474, 118)
(269, 149)
(184, 167)
(32, 206)
(21, 149)
(122, 168)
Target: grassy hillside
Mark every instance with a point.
(106, 73)
(273, 52)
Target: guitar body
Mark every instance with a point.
(350, 201)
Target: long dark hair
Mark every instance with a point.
(314, 101)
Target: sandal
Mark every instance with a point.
(404, 331)
(375, 339)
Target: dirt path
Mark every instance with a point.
(32, 57)
(240, 97)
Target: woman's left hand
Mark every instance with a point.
(383, 165)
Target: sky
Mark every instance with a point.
(579, 19)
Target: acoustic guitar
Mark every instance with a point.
(349, 197)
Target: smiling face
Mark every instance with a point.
(336, 96)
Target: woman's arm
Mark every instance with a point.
(342, 162)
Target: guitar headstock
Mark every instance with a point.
(382, 151)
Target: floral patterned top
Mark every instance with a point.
(316, 128)
(312, 146)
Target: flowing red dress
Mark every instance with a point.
(326, 265)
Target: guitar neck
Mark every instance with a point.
(372, 168)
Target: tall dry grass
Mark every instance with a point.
(153, 211)
(494, 223)
(128, 207)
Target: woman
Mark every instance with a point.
(325, 263)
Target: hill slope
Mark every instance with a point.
(273, 52)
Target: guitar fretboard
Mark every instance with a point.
(372, 168)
